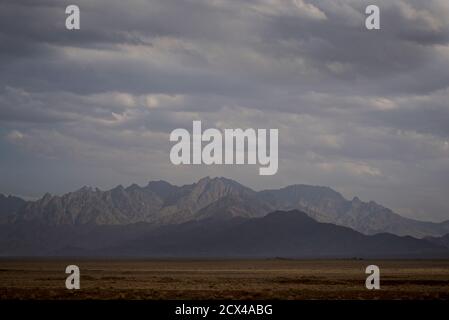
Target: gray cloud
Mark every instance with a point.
(364, 112)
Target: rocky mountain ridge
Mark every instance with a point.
(162, 203)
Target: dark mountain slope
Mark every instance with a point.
(280, 234)
(326, 205)
(442, 241)
(9, 205)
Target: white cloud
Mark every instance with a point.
(309, 10)
(353, 168)
(14, 135)
(163, 100)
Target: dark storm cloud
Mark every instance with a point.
(363, 111)
(280, 36)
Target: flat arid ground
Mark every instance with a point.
(223, 279)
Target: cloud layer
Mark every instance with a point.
(365, 112)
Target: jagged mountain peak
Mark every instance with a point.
(209, 189)
(47, 196)
(119, 189)
(310, 189)
(9, 197)
(132, 187)
(160, 202)
(159, 183)
(222, 182)
(9, 205)
(85, 188)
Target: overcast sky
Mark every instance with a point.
(365, 112)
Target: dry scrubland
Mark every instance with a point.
(228, 279)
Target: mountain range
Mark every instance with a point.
(286, 234)
(214, 217)
(291, 234)
(161, 203)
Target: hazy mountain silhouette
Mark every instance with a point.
(9, 205)
(279, 234)
(290, 234)
(326, 205)
(162, 203)
(442, 241)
